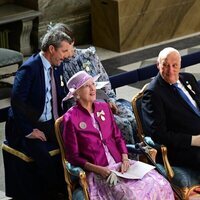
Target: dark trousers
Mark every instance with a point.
(49, 170)
(189, 157)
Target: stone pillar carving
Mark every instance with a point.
(25, 47)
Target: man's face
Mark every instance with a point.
(59, 54)
(169, 68)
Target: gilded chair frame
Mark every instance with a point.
(68, 169)
(22, 155)
(183, 192)
(12, 156)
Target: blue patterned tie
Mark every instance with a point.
(184, 96)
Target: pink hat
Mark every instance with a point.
(78, 80)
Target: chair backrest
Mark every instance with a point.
(136, 105)
(161, 149)
(58, 131)
(72, 175)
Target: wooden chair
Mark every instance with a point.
(75, 177)
(183, 179)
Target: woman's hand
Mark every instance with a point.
(103, 171)
(125, 163)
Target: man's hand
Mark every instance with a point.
(37, 134)
(195, 140)
(113, 108)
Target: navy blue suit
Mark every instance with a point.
(27, 104)
(169, 120)
(28, 98)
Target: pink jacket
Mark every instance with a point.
(82, 140)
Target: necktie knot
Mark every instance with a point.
(175, 85)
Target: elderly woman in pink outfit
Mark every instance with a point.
(94, 142)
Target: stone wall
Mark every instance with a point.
(122, 25)
(75, 13)
(5, 1)
(118, 25)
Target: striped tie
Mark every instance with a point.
(54, 95)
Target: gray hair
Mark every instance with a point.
(165, 52)
(54, 37)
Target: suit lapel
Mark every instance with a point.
(186, 83)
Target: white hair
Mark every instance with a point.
(165, 52)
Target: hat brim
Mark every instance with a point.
(71, 94)
(101, 84)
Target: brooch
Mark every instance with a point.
(82, 125)
(86, 66)
(190, 87)
(101, 114)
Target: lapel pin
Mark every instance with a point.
(82, 125)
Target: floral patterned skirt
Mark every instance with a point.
(152, 186)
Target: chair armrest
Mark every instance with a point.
(136, 149)
(78, 172)
(133, 149)
(163, 150)
(168, 168)
(74, 171)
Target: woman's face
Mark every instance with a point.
(87, 93)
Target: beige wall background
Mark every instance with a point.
(118, 25)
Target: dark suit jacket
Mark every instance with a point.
(28, 98)
(168, 119)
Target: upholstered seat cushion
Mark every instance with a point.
(9, 57)
(183, 177)
(78, 194)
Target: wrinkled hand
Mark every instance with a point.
(37, 134)
(125, 165)
(113, 108)
(112, 180)
(103, 171)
